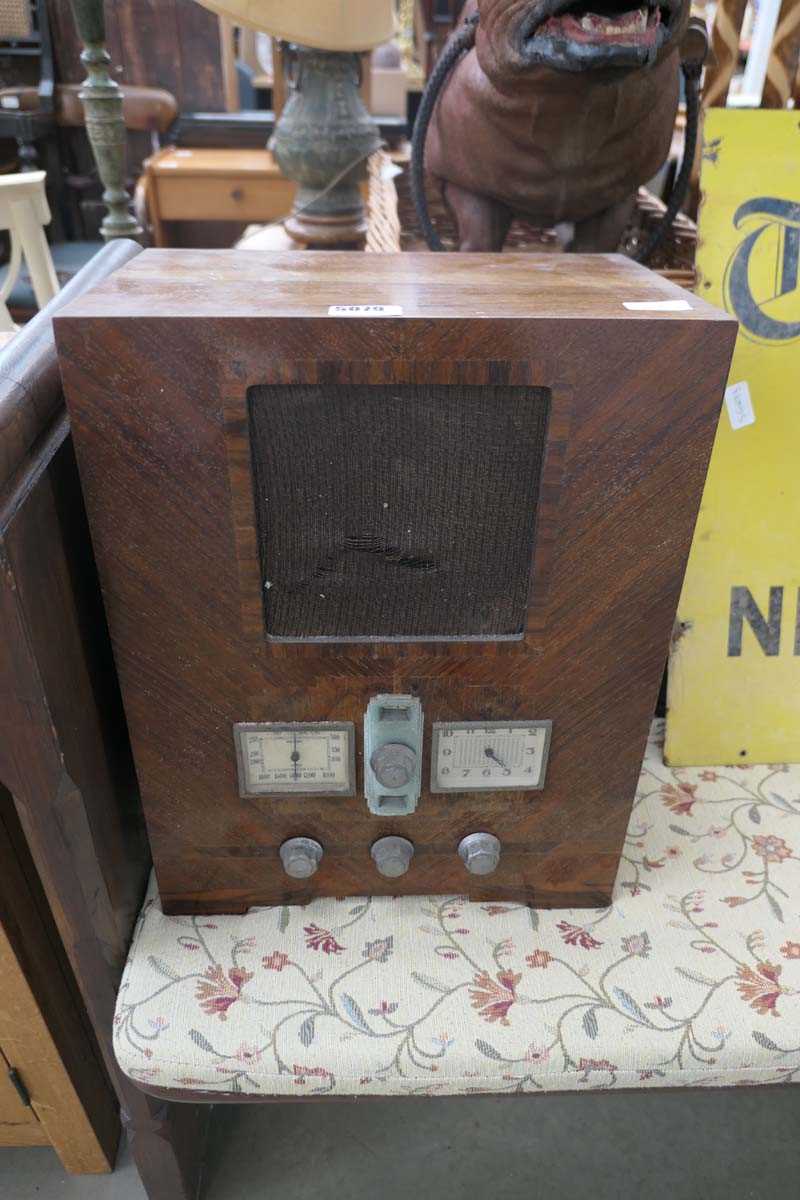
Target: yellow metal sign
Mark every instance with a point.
(734, 673)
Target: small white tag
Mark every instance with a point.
(657, 305)
(9, 101)
(739, 405)
(365, 310)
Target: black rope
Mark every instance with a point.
(691, 80)
(463, 41)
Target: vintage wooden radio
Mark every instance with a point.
(391, 548)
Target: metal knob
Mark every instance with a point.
(392, 856)
(393, 764)
(300, 857)
(480, 853)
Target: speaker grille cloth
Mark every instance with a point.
(403, 511)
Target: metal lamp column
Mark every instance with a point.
(105, 125)
(322, 140)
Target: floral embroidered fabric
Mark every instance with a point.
(691, 978)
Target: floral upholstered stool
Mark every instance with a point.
(691, 978)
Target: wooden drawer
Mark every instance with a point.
(19, 1125)
(63, 1098)
(235, 198)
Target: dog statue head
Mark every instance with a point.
(515, 37)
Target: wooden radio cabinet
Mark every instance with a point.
(391, 547)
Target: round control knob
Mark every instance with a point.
(300, 857)
(393, 764)
(480, 853)
(392, 856)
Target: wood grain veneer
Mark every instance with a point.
(156, 364)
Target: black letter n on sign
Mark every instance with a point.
(744, 608)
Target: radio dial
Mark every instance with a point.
(480, 853)
(300, 857)
(392, 856)
(393, 764)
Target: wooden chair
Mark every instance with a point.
(782, 81)
(25, 35)
(436, 20)
(144, 109)
(63, 745)
(23, 213)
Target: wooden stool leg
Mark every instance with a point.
(12, 271)
(36, 250)
(6, 323)
(28, 155)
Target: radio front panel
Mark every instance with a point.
(390, 599)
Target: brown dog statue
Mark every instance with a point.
(558, 113)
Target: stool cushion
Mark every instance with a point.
(691, 978)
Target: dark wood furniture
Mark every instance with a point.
(64, 755)
(148, 109)
(438, 19)
(252, 130)
(170, 44)
(157, 363)
(25, 38)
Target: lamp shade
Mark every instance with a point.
(324, 24)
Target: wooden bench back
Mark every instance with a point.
(64, 754)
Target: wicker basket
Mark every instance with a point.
(393, 224)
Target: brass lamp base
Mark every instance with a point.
(346, 230)
(322, 140)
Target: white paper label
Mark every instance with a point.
(365, 310)
(739, 405)
(657, 305)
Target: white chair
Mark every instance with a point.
(23, 212)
